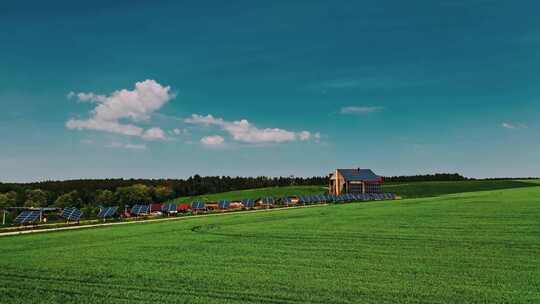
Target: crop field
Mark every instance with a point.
(429, 189)
(477, 247)
(257, 193)
(406, 190)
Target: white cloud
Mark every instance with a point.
(135, 105)
(154, 134)
(512, 126)
(244, 131)
(213, 140)
(106, 126)
(127, 146)
(177, 131)
(87, 97)
(360, 110)
(304, 135)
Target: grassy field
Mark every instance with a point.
(257, 193)
(406, 190)
(429, 189)
(479, 247)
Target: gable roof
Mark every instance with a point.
(359, 175)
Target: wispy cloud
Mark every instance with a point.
(129, 146)
(245, 132)
(513, 126)
(360, 110)
(135, 105)
(213, 140)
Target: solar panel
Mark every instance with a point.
(140, 209)
(286, 201)
(248, 203)
(267, 201)
(27, 217)
(71, 214)
(196, 205)
(224, 204)
(168, 208)
(107, 211)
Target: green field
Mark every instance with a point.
(406, 190)
(478, 247)
(429, 189)
(256, 193)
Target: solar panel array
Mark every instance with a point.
(140, 209)
(168, 208)
(71, 214)
(267, 201)
(224, 204)
(197, 205)
(107, 211)
(27, 216)
(248, 203)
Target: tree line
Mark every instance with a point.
(440, 177)
(106, 192)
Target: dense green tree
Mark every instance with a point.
(8, 199)
(136, 194)
(89, 211)
(36, 198)
(70, 199)
(163, 193)
(104, 198)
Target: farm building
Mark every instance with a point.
(354, 181)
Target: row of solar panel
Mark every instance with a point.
(74, 214)
(346, 197)
(32, 216)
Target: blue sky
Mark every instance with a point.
(291, 87)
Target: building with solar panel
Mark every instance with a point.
(354, 181)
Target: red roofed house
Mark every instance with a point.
(354, 181)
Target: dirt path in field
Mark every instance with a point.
(30, 231)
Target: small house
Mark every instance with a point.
(354, 181)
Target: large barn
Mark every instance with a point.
(354, 181)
